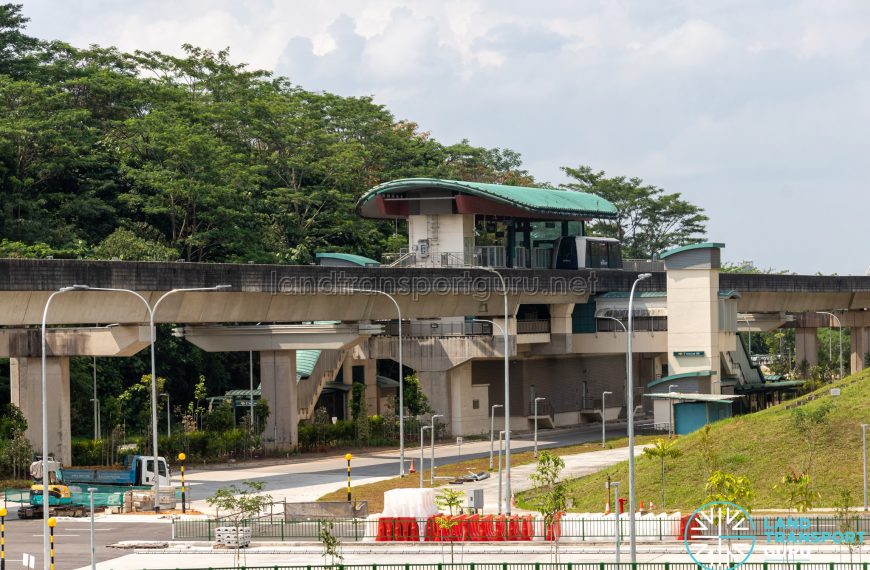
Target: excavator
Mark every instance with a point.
(60, 500)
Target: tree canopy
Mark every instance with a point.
(649, 220)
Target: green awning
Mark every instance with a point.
(683, 376)
(350, 258)
(386, 382)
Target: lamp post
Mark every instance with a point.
(168, 417)
(500, 437)
(152, 310)
(840, 334)
(671, 406)
(629, 386)
(45, 494)
(432, 439)
(96, 405)
(536, 424)
(864, 445)
(93, 545)
(615, 486)
(507, 401)
(422, 455)
(492, 431)
(401, 378)
(603, 419)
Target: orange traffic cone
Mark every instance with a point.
(412, 470)
(513, 501)
(607, 508)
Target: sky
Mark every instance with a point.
(756, 111)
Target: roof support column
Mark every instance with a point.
(860, 348)
(806, 346)
(278, 381)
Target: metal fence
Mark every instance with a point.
(573, 528)
(566, 566)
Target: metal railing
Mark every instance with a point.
(490, 256)
(437, 329)
(533, 326)
(643, 265)
(572, 528)
(542, 257)
(563, 566)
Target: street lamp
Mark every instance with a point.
(492, 431)
(507, 401)
(401, 379)
(840, 334)
(536, 424)
(45, 493)
(603, 420)
(864, 441)
(671, 406)
(422, 447)
(168, 417)
(151, 312)
(500, 437)
(432, 436)
(630, 400)
(96, 405)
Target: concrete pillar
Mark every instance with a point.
(25, 380)
(806, 346)
(694, 336)
(278, 378)
(860, 347)
(465, 418)
(561, 333)
(436, 386)
(371, 378)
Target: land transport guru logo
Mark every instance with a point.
(719, 536)
(722, 536)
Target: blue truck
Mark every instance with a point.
(138, 470)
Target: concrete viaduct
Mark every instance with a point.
(286, 296)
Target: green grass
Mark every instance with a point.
(761, 446)
(374, 492)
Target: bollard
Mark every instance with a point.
(182, 457)
(348, 457)
(2, 538)
(51, 523)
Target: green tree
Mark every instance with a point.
(240, 505)
(723, 486)
(662, 449)
(648, 220)
(448, 499)
(811, 424)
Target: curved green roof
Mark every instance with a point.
(707, 245)
(546, 201)
(350, 258)
(306, 360)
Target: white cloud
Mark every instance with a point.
(750, 109)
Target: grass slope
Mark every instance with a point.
(762, 446)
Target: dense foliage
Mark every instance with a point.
(148, 156)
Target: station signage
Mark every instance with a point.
(689, 353)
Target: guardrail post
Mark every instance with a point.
(208, 527)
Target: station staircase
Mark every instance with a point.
(308, 388)
(739, 366)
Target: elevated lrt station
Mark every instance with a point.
(318, 330)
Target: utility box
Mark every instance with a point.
(474, 498)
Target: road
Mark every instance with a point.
(72, 540)
(303, 479)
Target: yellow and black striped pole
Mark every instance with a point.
(182, 457)
(2, 538)
(51, 522)
(348, 457)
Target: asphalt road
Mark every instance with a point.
(72, 540)
(308, 479)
